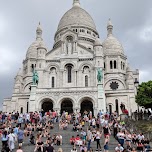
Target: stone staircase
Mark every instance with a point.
(67, 134)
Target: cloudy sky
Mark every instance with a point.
(132, 20)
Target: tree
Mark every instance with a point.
(144, 94)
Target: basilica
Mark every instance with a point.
(67, 73)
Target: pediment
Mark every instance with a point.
(67, 33)
(83, 51)
(54, 53)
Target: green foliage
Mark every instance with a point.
(144, 94)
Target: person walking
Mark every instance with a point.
(20, 136)
(4, 139)
(11, 140)
(98, 137)
(106, 142)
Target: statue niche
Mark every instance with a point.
(69, 45)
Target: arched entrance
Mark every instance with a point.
(67, 106)
(47, 105)
(110, 109)
(86, 106)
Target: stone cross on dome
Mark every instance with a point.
(76, 3)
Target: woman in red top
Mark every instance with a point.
(72, 140)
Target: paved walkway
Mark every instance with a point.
(67, 134)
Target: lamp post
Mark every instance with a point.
(136, 83)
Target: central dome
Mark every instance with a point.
(76, 16)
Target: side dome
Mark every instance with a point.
(111, 44)
(32, 50)
(76, 16)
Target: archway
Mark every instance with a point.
(86, 106)
(110, 109)
(47, 105)
(67, 106)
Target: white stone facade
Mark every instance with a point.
(68, 72)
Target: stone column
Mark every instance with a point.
(61, 79)
(101, 98)
(95, 111)
(101, 95)
(57, 109)
(76, 109)
(32, 102)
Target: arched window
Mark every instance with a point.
(86, 81)
(110, 109)
(117, 106)
(69, 44)
(53, 82)
(21, 110)
(104, 65)
(69, 71)
(32, 67)
(27, 107)
(86, 69)
(121, 64)
(111, 65)
(115, 64)
(53, 70)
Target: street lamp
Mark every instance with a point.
(136, 83)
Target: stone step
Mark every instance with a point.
(67, 134)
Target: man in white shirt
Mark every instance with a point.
(119, 148)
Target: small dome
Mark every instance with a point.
(39, 43)
(97, 42)
(76, 16)
(111, 44)
(32, 50)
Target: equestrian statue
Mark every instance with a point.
(35, 77)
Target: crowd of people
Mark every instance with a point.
(38, 128)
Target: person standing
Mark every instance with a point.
(98, 136)
(89, 137)
(50, 148)
(20, 119)
(20, 137)
(5, 141)
(11, 140)
(121, 138)
(106, 142)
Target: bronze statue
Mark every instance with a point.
(100, 75)
(35, 78)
